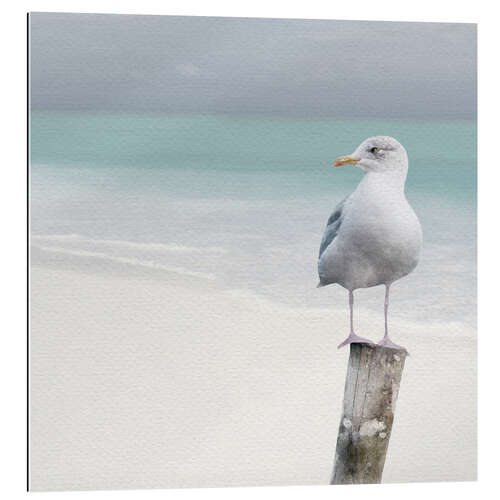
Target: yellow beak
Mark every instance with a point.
(345, 160)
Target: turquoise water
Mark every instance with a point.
(443, 154)
(247, 199)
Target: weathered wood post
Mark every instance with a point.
(370, 395)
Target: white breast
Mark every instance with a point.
(379, 240)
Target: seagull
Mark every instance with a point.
(373, 237)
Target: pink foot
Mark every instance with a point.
(387, 342)
(354, 339)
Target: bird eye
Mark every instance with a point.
(374, 150)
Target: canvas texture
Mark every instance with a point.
(181, 180)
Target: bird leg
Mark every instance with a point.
(353, 338)
(386, 341)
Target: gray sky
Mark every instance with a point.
(266, 66)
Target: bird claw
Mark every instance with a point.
(354, 339)
(387, 342)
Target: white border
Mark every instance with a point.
(13, 210)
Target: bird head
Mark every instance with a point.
(377, 154)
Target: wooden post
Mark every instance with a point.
(370, 395)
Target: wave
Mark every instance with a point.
(155, 247)
(128, 261)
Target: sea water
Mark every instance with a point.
(241, 202)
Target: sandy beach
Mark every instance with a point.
(164, 379)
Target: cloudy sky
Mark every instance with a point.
(283, 67)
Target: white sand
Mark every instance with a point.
(139, 382)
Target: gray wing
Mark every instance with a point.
(332, 227)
